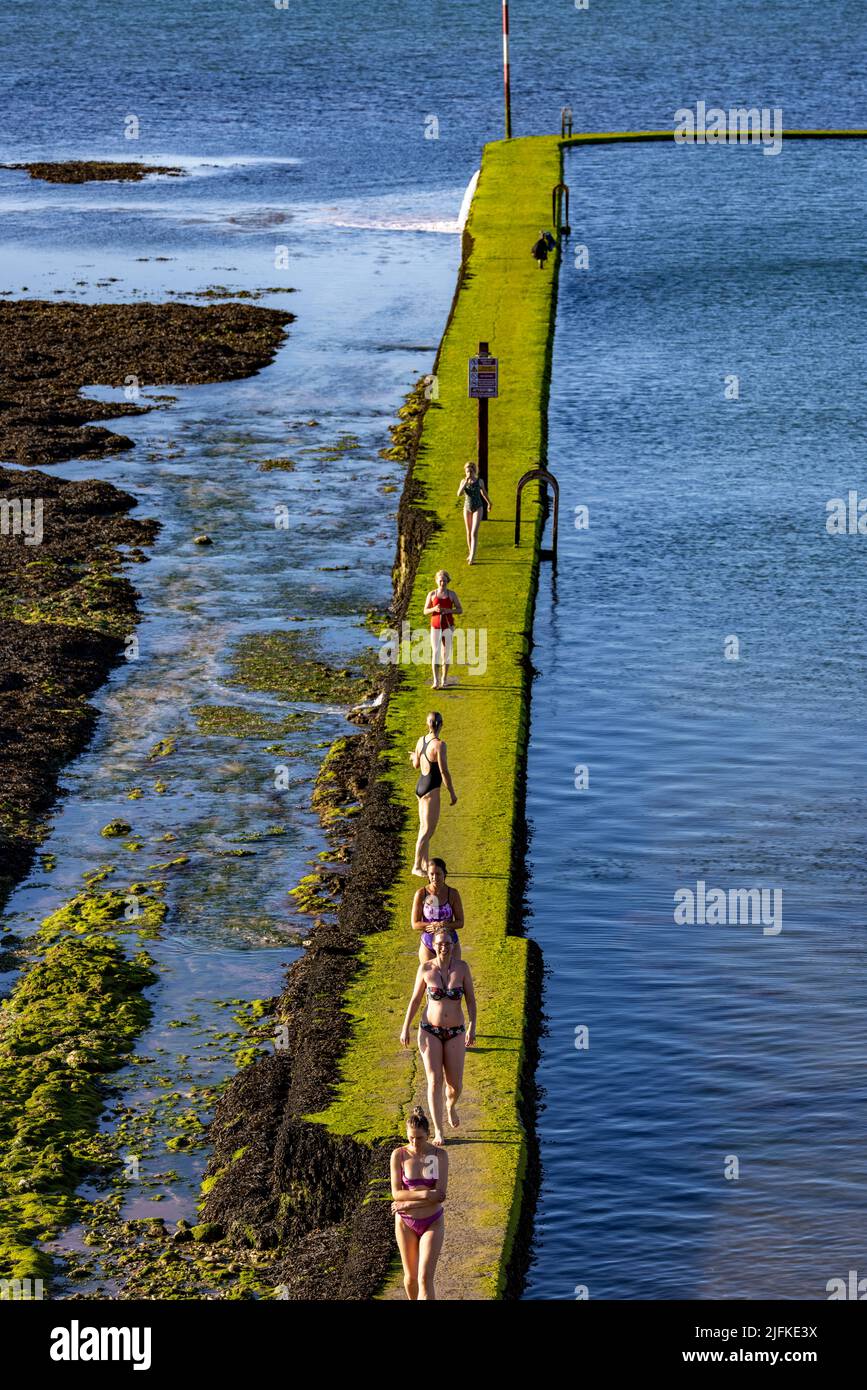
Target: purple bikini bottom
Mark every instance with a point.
(427, 938)
(419, 1224)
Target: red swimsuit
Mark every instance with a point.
(443, 619)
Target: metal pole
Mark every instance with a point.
(482, 439)
(507, 90)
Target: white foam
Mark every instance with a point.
(410, 222)
(200, 163)
(380, 224)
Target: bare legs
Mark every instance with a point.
(454, 1054)
(471, 522)
(428, 818)
(408, 1243)
(436, 639)
(441, 644)
(447, 639)
(419, 1255)
(429, 1247)
(444, 1068)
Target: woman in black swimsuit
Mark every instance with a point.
(472, 489)
(430, 760)
(442, 1039)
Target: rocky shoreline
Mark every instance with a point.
(66, 607)
(93, 170)
(52, 350)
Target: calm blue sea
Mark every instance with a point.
(306, 127)
(708, 1141)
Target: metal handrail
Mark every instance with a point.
(544, 476)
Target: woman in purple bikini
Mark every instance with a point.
(435, 903)
(442, 1037)
(419, 1177)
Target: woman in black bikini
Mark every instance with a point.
(419, 1178)
(436, 904)
(429, 758)
(442, 1038)
(472, 489)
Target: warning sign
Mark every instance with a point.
(484, 377)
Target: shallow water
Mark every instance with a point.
(306, 128)
(707, 520)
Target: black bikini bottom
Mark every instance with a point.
(444, 1034)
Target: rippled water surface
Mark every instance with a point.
(707, 522)
(304, 128)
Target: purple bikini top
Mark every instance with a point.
(441, 914)
(415, 1182)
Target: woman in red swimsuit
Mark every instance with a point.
(419, 1177)
(442, 603)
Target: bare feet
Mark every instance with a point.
(451, 1113)
(438, 1139)
(434, 685)
(419, 873)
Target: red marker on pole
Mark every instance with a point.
(507, 90)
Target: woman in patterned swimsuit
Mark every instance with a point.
(442, 1038)
(435, 903)
(419, 1177)
(472, 489)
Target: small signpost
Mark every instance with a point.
(484, 385)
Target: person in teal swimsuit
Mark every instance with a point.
(472, 489)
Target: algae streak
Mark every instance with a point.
(72, 1018)
(504, 298)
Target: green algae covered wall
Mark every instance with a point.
(505, 299)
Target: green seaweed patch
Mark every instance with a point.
(330, 453)
(317, 893)
(288, 664)
(70, 1019)
(407, 432)
(252, 836)
(163, 747)
(92, 595)
(235, 721)
(277, 465)
(138, 909)
(341, 782)
(115, 828)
